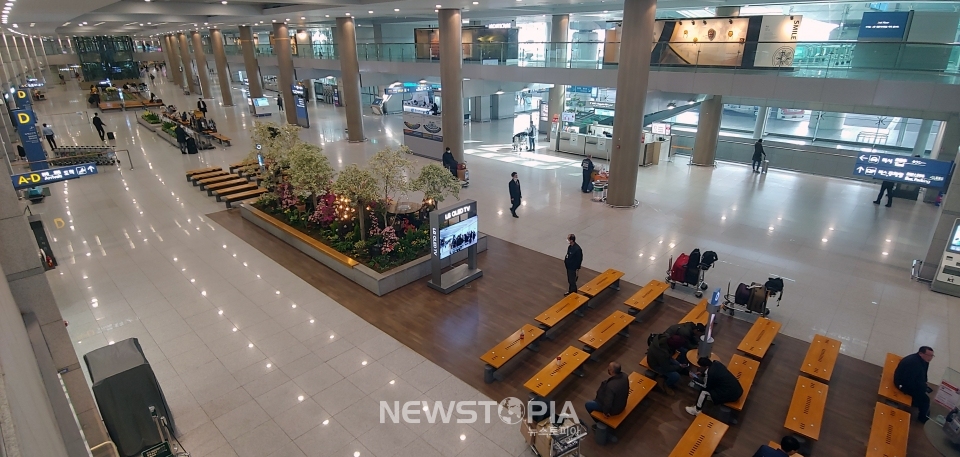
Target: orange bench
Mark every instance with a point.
(548, 378)
(889, 432)
(615, 324)
(746, 372)
(221, 193)
(640, 386)
(216, 179)
(888, 390)
(505, 350)
(701, 438)
(805, 416)
(571, 304)
(201, 171)
(759, 338)
(698, 314)
(609, 278)
(650, 293)
(242, 164)
(240, 196)
(820, 358)
(212, 174)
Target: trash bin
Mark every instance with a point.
(599, 191)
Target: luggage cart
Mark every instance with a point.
(752, 299)
(689, 270)
(74, 155)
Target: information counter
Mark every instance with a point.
(584, 145)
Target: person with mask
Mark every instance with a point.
(449, 162)
(717, 384)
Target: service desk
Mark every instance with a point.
(584, 145)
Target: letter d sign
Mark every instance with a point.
(21, 94)
(23, 118)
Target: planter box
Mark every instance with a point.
(378, 283)
(152, 127)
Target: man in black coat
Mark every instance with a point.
(691, 333)
(612, 395)
(886, 187)
(758, 155)
(718, 384)
(202, 106)
(448, 161)
(587, 166)
(911, 378)
(98, 124)
(660, 359)
(181, 138)
(515, 194)
(572, 262)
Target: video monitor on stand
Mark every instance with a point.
(454, 229)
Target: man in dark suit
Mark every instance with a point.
(572, 262)
(910, 377)
(887, 187)
(514, 194)
(202, 106)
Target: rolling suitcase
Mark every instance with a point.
(679, 271)
(111, 136)
(192, 146)
(758, 300)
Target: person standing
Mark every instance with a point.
(587, 166)
(885, 187)
(449, 162)
(611, 398)
(202, 107)
(758, 155)
(280, 102)
(718, 384)
(98, 124)
(181, 138)
(572, 262)
(515, 194)
(48, 134)
(911, 378)
(62, 80)
(532, 137)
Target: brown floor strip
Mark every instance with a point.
(518, 283)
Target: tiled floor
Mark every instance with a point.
(236, 340)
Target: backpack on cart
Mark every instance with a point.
(692, 275)
(679, 271)
(707, 260)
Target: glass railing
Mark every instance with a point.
(264, 50)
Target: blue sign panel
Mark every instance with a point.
(26, 123)
(22, 98)
(300, 103)
(906, 169)
(888, 25)
(580, 89)
(52, 175)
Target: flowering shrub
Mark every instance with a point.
(287, 198)
(326, 211)
(389, 241)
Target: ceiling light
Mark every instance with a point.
(148, 1)
(224, 2)
(273, 20)
(370, 12)
(302, 18)
(9, 4)
(348, 14)
(326, 15)
(499, 92)
(476, 3)
(141, 25)
(16, 26)
(438, 6)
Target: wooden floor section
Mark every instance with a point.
(518, 284)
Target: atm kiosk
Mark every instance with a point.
(947, 280)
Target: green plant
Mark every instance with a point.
(151, 117)
(392, 169)
(359, 187)
(310, 172)
(436, 183)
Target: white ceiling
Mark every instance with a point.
(143, 18)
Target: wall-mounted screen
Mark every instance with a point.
(457, 237)
(885, 25)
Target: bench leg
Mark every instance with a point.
(228, 204)
(488, 374)
(625, 332)
(579, 311)
(579, 372)
(534, 346)
(591, 351)
(633, 311)
(601, 433)
(616, 285)
(590, 303)
(546, 332)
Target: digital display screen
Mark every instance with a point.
(261, 102)
(884, 24)
(954, 245)
(457, 237)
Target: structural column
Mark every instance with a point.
(185, 60)
(949, 141)
(168, 57)
(31, 55)
(281, 47)
(249, 49)
(223, 73)
(708, 130)
(37, 61)
(920, 146)
(21, 61)
(763, 113)
(201, 59)
(559, 30)
(945, 148)
(451, 80)
(175, 66)
(633, 76)
(350, 78)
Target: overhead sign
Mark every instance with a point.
(500, 25)
(906, 169)
(52, 175)
(300, 105)
(26, 123)
(580, 89)
(406, 88)
(601, 105)
(22, 98)
(569, 116)
(887, 25)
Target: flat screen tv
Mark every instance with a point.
(457, 237)
(261, 102)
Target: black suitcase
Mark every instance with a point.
(111, 136)
(192, 146)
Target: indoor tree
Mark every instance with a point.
(392, 169)
(360, 186)
(310, 172)
(436, 183)
(275, 142)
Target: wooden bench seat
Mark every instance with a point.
(246, 163)
(888, 390)
(210, 188)
(820, 358)
(609, 278)
(652, 292)
(640, 386)
(698, 314)
(560, 310)
(212, 174)
(615, 324)
(220, 193)
(240, 196)
(221, 138)
(508, 349)
(201, 171)
(889, 432)
(759, 338)
(545, 381)
(805, 416)
(214, 180)
(746, 372)
(701, 438)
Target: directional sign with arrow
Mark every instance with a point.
(52, 175)
(902, 168)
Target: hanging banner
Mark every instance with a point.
(26, 123)
(22, 98)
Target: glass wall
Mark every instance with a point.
(106, 57)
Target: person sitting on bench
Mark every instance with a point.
(788, 446)
(911, 378)
(691, 333)
(718, 384)
(612, 395)
(660, 359)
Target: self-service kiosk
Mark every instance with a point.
(947, 280)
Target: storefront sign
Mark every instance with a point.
(602, 105)
(52, 175)
(569, 116)
(580, 89)
(899, 168)
(500, 25)
(31, 85)
(406, 88)
(660, 128)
